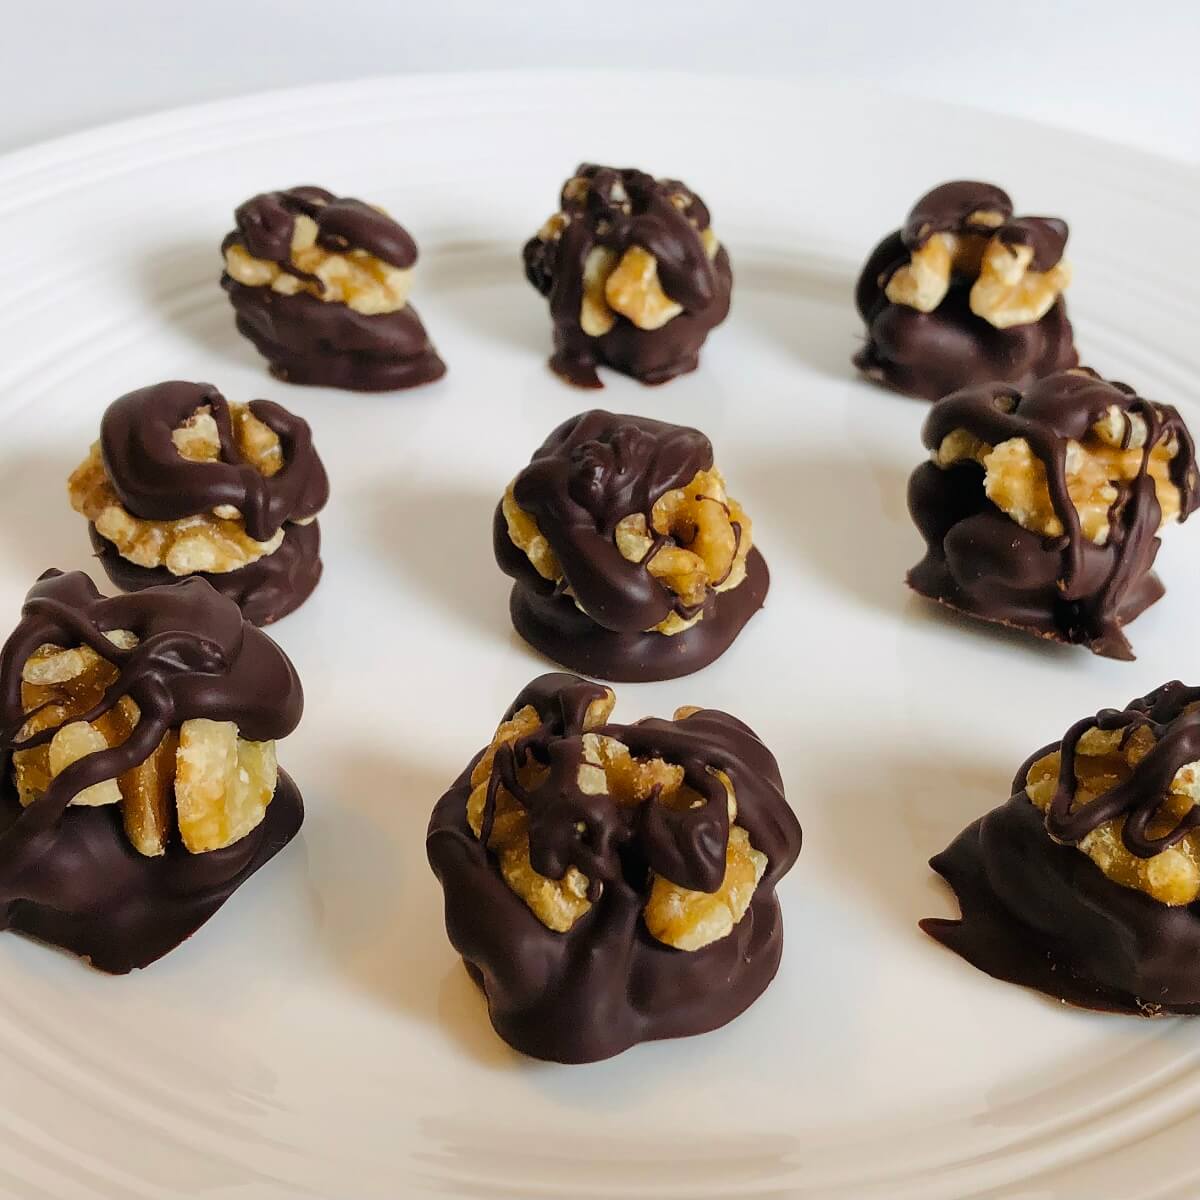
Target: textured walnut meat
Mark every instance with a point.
(215, 542)
(675, 916)
(202, 779)
(1005, 291)
(703, 537)
(1015, 478)
(355, 278)
(1104, 759)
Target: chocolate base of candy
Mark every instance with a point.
(980, 562)
(553, 624)
(1043, 915)
(330, 345)
(265, 590)
(81, 886)
(651, 356)
(605, 985)
(929, 355)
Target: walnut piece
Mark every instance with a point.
(1101, 763)
(676, 916)
(205, 779)
(356, 278)
(1015, 478)
(215, 542)
(1005, 292)
(707, 538)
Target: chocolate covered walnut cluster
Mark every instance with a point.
(606, 774)
(202, 779)
(214, 541)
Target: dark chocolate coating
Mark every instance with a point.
(266, 590)
(552, 624)
(607, 984)
(81, 886)
(594, 470)
(931, 354)
(1042, 914)
(330, 345)
(68, 875)
(155, 482)
(980, 561)
(647, 218)
(307, 340)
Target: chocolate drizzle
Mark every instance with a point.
(265, 224)
(1139, 798)
(1042, 914)
(981, 561)
(931, 354)
(69, 875)
(616, 209)
(607, 984)
(155, 482)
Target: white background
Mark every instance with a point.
(1118, 69)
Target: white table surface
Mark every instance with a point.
(1119, 70)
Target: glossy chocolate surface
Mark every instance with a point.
(607, 984)
(309, 341)
(69, 875)
(931, 354)
(594, 470)
(618, 209)
(1069, 589)
(1038, 912)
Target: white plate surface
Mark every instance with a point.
(318, 1038)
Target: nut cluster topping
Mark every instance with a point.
(353, 276)
(697, 539)
(604, 768)
(213, 542)
(201, 780)
(624, 280)
(1112, 455)
(1105, 759)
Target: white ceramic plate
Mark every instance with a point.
(319, 1038)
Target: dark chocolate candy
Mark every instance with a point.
(591, 472)
(1038, 912)
(931, 354)
(69, 875)
(307, 340)
(266, 590)
(1068, 589)
(618, 209)
(607, 984)
(156, 483)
